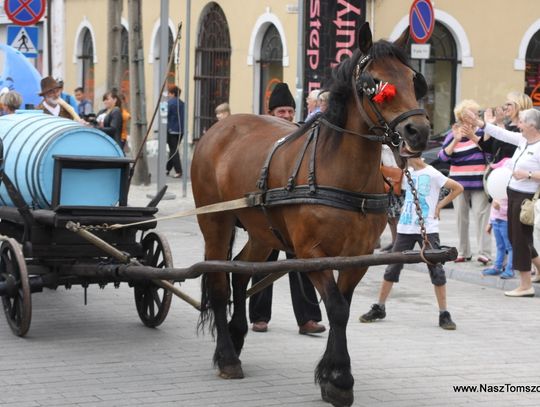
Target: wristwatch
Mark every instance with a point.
(530, 175)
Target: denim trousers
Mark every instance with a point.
(500, 231)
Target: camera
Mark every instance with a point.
(91, 119)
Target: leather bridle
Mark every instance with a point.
(364, 89)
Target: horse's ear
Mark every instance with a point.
(365, 41)
(403, 39)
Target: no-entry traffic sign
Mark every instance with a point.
(24, 12)
(421, 21)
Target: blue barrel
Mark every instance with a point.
(31, 139)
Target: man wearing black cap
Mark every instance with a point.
(304, 299)
(281, 102)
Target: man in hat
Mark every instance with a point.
(52, 103)
(281, 102)
(304, 299)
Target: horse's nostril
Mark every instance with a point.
(411, 129)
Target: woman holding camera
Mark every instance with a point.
(525, 181)
(112, 121)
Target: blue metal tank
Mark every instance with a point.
(31, 139)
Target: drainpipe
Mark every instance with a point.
(300, 63)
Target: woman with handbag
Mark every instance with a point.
(525, 182)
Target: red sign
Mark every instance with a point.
(421, 21)
(24, 12)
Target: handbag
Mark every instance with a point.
(392, 177)
(526, 214)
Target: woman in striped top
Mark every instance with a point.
(467, 167)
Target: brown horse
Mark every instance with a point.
(340, 209)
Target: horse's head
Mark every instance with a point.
(386, 90)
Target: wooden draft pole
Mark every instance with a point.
(137, 91)
(114, 33)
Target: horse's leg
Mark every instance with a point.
(333, 373)
(218, 232)
(238, 325)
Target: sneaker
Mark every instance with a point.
(483, 259)
(376, 312)
(461, 259)
(445, 321)
(492, 271)
(507, 275)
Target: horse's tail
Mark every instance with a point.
(206, 319)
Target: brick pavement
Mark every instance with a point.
(101, 355)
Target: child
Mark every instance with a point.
(498, 223)
(428, 182)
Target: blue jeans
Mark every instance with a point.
(500, 231)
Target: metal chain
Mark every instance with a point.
(103, 226)
(421, 221)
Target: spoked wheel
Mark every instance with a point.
(13, 273)
(152, 301)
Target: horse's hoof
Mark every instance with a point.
(336, 396)
(231, 372)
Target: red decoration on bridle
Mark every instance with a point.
(384, 92)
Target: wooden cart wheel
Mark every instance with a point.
(17, 301)
(152, 301)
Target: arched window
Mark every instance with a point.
(271, 64)
(212, 68)
(124, 65)
(440, 71)
(87, 59)
(532, 69)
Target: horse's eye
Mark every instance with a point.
(420, 85)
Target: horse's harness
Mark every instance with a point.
(383, 131)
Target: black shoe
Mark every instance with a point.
(445, 321)
(376, 312)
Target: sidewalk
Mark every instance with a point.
(469, 272)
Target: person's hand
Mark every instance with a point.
(488, 228)
(437, 214)
(499, 115)
(471, 118)
(520, 174)
(456, 132)
(467, 130)
(496, 204)
(489, 116)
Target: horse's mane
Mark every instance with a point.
(340, 86)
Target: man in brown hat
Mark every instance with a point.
(304, 299)
(52, 103)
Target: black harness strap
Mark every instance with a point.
(299, 159)
(329, 196)
(312, 181)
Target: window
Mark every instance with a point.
(124, 66)
(532, 69)
(87, 58)
(271, 64)
(440, 71)
(212, 68)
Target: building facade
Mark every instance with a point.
(238, 49)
